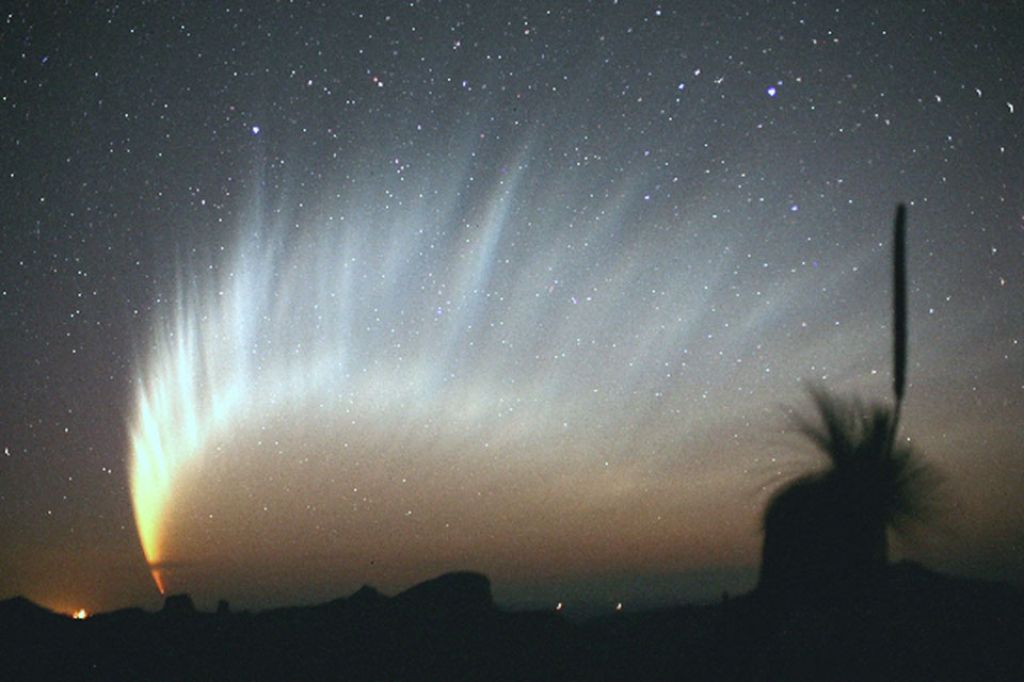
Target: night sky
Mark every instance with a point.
(300, 296)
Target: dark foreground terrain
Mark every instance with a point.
(911, 624)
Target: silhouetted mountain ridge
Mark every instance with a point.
(911, 624)
(19, 614)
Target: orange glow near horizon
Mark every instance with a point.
(159, 580)
(80, 614)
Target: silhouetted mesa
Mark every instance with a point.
(457, 594)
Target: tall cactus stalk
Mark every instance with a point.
(899, 315)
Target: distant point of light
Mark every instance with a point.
(772, 91)
(80, 614)
(681, 86)
(255, 130)
(794, 208)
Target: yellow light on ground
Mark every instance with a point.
(80, 614)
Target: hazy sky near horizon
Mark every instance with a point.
(317, 294)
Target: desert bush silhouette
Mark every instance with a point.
(827, 528)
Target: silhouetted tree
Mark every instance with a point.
(831, 526)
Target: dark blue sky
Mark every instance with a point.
(525, 288)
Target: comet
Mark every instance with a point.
(491, 317)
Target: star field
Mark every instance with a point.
(311, 295)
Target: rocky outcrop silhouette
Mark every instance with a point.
(179, 605)
(456, 594)
(21, 611)
(367, 598)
